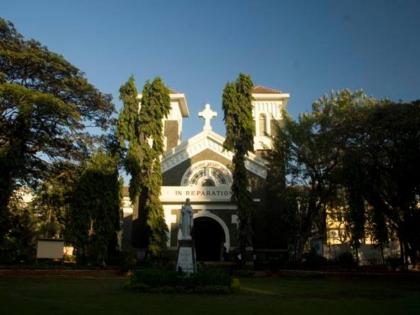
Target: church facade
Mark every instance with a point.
(199, 168)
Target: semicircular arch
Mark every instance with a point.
(207, 171)
(210, 215)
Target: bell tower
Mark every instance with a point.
(268, 105)
(172, 125)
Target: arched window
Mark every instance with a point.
(263, 125)
(208, 182)
(207, 173)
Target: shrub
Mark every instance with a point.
(155, 277)
(209, 277)
(394, 262)
(170, 281)
(128, 260)
(312, 260)
(346, 260)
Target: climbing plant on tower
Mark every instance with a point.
(155, 106)
(130, 141)
(140, 134)
(240, 130)
(129, 135)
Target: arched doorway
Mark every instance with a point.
(209, 239)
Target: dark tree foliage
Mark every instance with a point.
(19, 243)
(273, 222)
(367, 149)
(312, 148)
(389, 151)
(45, 106)
(379, 144)
(141, 130)
(94, 213)
(52, 199)
(380, 231)
(240, 130)
(310, 165)
(356, 216)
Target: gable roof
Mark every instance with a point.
(214, 142)
(259, 89)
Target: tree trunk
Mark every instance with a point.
(6, 192)
(381, 246)
(357, 255)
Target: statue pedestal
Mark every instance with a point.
(186, 256)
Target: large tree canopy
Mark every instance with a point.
(385, 170)
(311, 149)
(356, 153)
(52, 199)
(378, 142)
(46, 104)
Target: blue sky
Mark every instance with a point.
(305, 48)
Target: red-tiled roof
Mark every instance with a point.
(264, 90)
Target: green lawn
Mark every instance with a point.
(258, 296)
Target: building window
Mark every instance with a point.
(208, 182)
(263, 125)
(207, 173)
(208, 177)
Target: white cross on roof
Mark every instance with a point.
(207, 114)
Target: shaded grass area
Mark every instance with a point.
(53, 295)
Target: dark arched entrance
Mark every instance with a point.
(209, 239)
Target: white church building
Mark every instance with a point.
(199, 168)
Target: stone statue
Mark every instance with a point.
(186, 223)
(186, 253)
